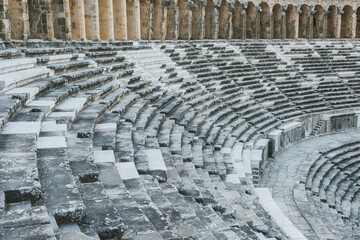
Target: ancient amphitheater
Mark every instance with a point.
(179, 119)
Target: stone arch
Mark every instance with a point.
(318, 24)
(224, 20)
(357, 35)
(291, 21)
(277, 24)
(185, 16)
(172, 27)
(211, 20)
(265, 19)
(331, 22)
(159, 18)
(237, 21)
(346, 22)
(304, 21)
(251, 21)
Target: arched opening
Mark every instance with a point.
(277, 25)
(251, 21)
(198, 20)
(172, 30)
(224, 20)
(265, 19)
(331, 22)
(185, 16)
(211, 21)
(347, 22)
(304, 21)
(19, 20)
(318, 22)
(357, 23)
(237, 21)
(159, 18)
(291, 22)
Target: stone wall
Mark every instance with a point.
(109, 20)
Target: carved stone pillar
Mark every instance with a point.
(78, 29)
(258, 16)
(212, 22)
(185, 24)
(146, 13)
(92, 20)
(133, 19)
(106, 20)
(229, 33)
(160, 19)
(340, 12)
(243, 20)
(173, 18)
(271, 33)
(297, 19)
(5, 29)
(325, 23)
(120, 20)
(198, 23)
(311, 22)
(353, 27)
(283, 21)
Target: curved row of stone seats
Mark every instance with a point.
(180, 157)
(327, 191)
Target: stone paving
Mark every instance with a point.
(287, 172)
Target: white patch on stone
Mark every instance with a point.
(72, 104)
(22, 128)
(51, 126)
(155, 159)
(105, 127)
(127, 170)
(105, 156)
(51, 142)
(277, 214)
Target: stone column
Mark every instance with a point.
(147, 11)
(271, 33)
(47, 22)
(173, 18)
(67, 20)
(92, 20)
(133, 19)
(78, 29)
(258, 15)
(186, 20)
(106, 20)
(120, 21)
(243, 16)
(354, 22)
(283, 21)
(5, 33)
(340, 12)
(311, 22)
(212, 27)
(325, 23)
(230, 33)
(198, 28)
(297, 19)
